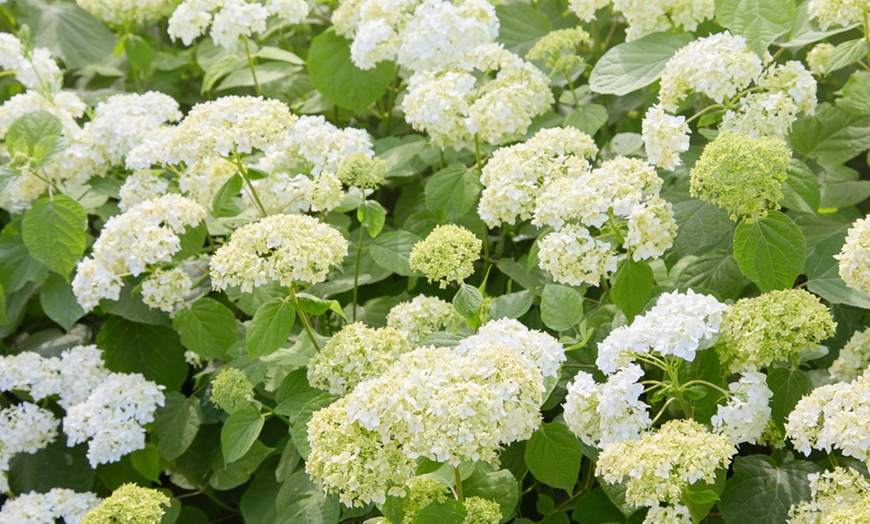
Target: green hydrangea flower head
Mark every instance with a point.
(446, 255)
(775, 326)
(422, 491)
(130, 504)
(558, 49)
(481, 511)
(741, 174)
(360, 170)
(231, 390)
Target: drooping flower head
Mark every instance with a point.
(422, 316)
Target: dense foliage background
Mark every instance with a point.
(248, 461)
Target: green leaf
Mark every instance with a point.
(372, 216)
(761, 491)
(207, 328)
(447, 512)
(276, 53)
(499, 486)
(318, 306)
(176, 424)
(468, 301)
(219, 68)
(788, 386)
(846, 54)
(228, 476)
(191, 242)
(147, 462)
(154, 351)
(339, 80)
(139, 53)
(130, 306)
(55, 466)
(700, 225)
(270, 327)
(632, 286)
(594, 507)
(832, 134)
(70, 32)
(3, 319)
(806, 30)
(632, 65)
(18, 267)
(452, 192)
(520, 26)
(553, 455)
(59, 302)
(770, 252)
(300, 502)
(561, 307)
(823, 272)
(54, 233)
(268, 72)
(700, 496)
(239, 433)
(856, 94)
(801, 188)
(34, 135)
(392, 250)
(758, 21)
(588, 118)
(258, 502)
(510, 305)
(221, 206)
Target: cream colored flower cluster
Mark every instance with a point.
(288, 249)
(128, 13)
(833, 417)
(164, 289)
(354, 354)
(231, 390)
(417, 34)
(35, 68)
(147, 234)
(837, 12)
(772, 327)
(659, 466)
(446, 255)
(645, 16)
(422, 316)
(448, 405)
(746, 414)
(854, 258)
(57, 503)
(853, 359)
(454, 106)
(230, 19)
(841, 495)
(514, 176)
(679, 325)
(602, 413)
(24, 428)
(597, 212)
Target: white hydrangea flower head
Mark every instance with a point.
(746, 414)
(422, 316)
(230, 19)
(665, 136)
(761, 115)
(794, 79)
(645, 17)
(817, 58)
(111, 418)
(717, 66)
(573, 257)
(541, 349)
(853, 359)
(585, 9)
(833, 417)
(164, 289)
(354, 354)
(354, 462)
(450, 104)
(81, 370)
(679, 324)
(837, 496)
(658, 466)
(837, 12)
(29, 371)
(145, 234)
(855, 256)
(441, 32)
(651, 228)
(285, 248)
(290, 11)
(127, 13)
(514, 176)
(675, 514)
(65, 105)
(202, 180)
(26, 428)
(34, 68)
(581, 408)
(139, 186)
(43, 508)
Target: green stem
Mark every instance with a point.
(458, 478)
(356, 265)
(661, 411)
(303, 317)
(477, 154)
(867, 31)
(243, 171)
(704, 111)
(571, 87)
(708, 384)
(251, 65)
(678, 393)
